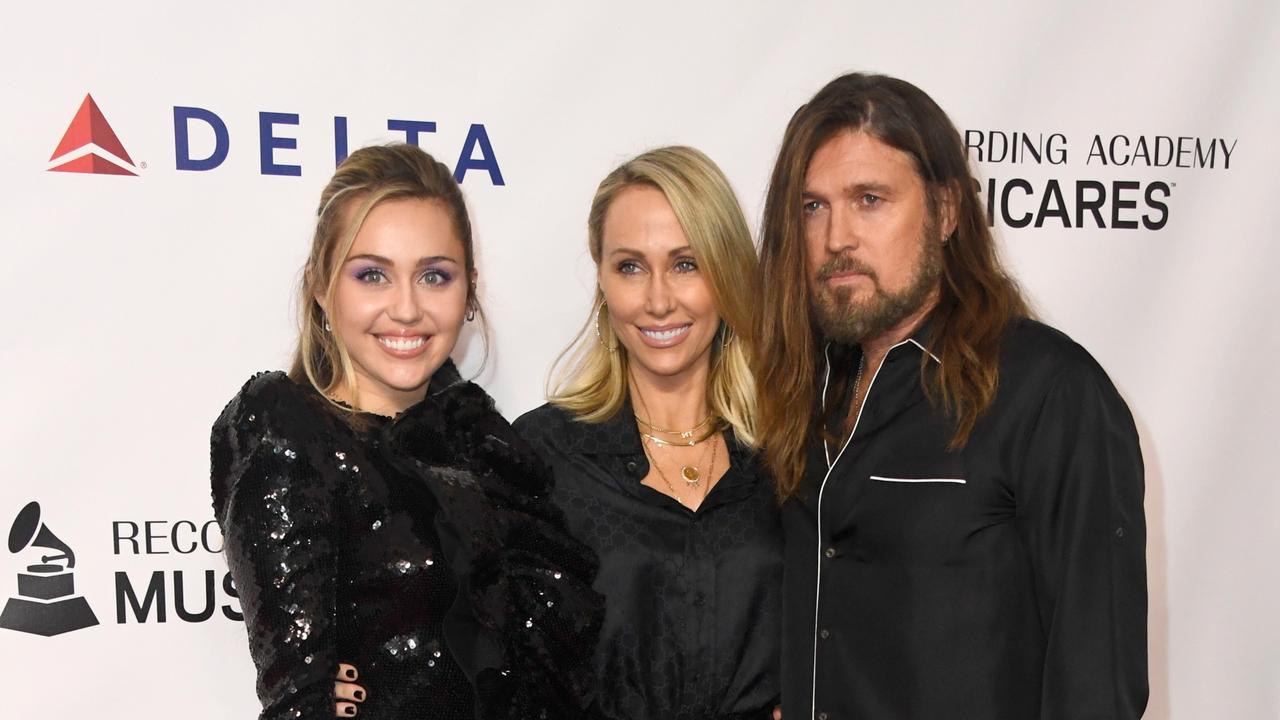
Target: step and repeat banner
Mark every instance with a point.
(162, 166)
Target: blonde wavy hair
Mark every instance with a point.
(368, 176)
(592, 381)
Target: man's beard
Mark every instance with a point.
(844, 321)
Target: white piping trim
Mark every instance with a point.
(826, 381)
(957, 481)
(817, 593)
(923, 348)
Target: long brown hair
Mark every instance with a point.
(367, 177)
(977, 298)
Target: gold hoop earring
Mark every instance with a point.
(600, 335)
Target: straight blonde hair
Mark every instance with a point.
(592, 380)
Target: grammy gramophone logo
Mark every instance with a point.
(47, 603)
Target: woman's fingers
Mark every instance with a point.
(777, 713)
(348, 691)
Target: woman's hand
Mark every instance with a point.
(777, 713)
(346, 692)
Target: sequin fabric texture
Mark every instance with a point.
(421, 549)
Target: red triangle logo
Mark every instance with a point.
(90, 126)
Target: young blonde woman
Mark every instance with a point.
(376, 507)
(650, 435)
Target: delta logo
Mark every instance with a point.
(90, 145)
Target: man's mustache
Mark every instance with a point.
(842, 264)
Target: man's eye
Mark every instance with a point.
(871, 200)
(811, 207)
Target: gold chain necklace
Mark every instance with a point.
(710, 473)
(690, 442)
(689, 473)
(857, 385)
(685, 434)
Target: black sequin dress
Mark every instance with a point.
(422, 550)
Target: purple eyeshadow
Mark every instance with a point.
(368, 273)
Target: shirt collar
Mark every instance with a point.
(617, 435)
(923, 336)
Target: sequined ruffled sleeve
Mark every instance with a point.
(277, 511)
(552, 615)
(528, 580)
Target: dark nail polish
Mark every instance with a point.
(349, 710)
(358, 695)
(349, 674)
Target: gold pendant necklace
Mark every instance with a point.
(662, 474)
(691, 474)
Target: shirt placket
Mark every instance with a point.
(825, 625)
(699, 571)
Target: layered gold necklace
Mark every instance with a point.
(691, 474)
(684, 434)
(691, 480)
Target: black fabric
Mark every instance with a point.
(423, 550)
(1015, 595)
(693, 599)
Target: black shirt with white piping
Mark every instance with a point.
(1005, 580)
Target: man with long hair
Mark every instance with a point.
(962, 486)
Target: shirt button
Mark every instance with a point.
(830, 553)
(1120, 533)
(824, 633)
(822, 716)
(631, 466)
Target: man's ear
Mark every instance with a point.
(948, 210)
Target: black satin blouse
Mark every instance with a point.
(422, 550)
(693, 599)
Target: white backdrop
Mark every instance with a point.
(135, 306)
